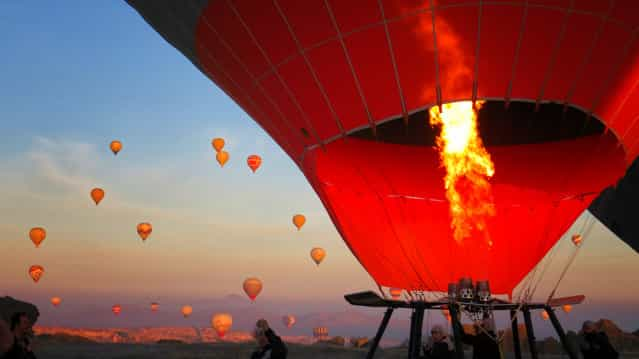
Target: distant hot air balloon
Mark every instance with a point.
(222, 323)
(116, 146)
(35, 272)
(395, 293)
(97, 194)
(252, 287)
(187, 310)
(289, 320)
(155, 306)
(56, 301)
(37, 235)
(254, 162)
(318, 255)
(567, 308)
(116, 309)
(218, 144)
(299, 220)
(544, 315)
(144, 230)
(576, 239)
(222, 157)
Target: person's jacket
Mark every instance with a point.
(263, 353)
(484, 345)
(597, 346)
(439, 350)
(278, 348)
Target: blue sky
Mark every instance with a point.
(77, 74)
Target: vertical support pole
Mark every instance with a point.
(561, 333)
(531, 334)
(515, 329)
(411, 336)
(458, 331)
(380, 333)
(417, 341)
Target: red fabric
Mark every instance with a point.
(385, 68)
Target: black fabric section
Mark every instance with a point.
(617, 207)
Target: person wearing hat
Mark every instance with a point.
(270, 346)
(438, 345)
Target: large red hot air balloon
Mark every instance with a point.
(345, 88)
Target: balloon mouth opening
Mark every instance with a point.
(500, 124)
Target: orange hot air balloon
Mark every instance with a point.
(56, 301)
(218, 144)
(299, 220)
(222, 157)
(187, 310)
(144, 230)
(35, 272)
(97, 194)
(318, 255)
(576, 239)
(155, 306)
(222, 323)
(544, 315)
(116, 309)
(254, 162)
(567, 308)
(395, 293)
(252, 287)
(116, 146)
(289, 320)
(37, 235)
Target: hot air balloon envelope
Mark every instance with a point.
(36, 272)
(252, 287)
(221, 323)
(254, 162)
(218, 144)
(37, 235)
(115, 146)
(144, 230)
(97, 194)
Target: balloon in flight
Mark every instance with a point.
(577, 239)
(218, 144)
(544, 315)
(116, 309)
(97, 194)
(186, 311)
(115, 146)
(252, 287)
(56, 301)
(221, 323)
(299, 220)
(155, 306)
(37, 235)
(254, 162)
(318, 254)
(222, 157)
(567, 308)
(288, 320)
(36, 272)
(144, 230)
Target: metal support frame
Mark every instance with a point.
(458, 330)
(515, 330)
(380, 333)
(561, 333)
(531, 334)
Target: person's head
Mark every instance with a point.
(262, 324)
(260, 337)
(438, 334)
(589, 327)
(20, 323)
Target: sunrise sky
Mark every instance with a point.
(76, 75)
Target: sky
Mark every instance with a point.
(76, 75)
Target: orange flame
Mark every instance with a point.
(468, 167)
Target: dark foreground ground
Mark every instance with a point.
(201, 351)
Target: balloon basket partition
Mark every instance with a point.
(418, 308)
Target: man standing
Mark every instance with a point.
(595, 344)
(270, 345)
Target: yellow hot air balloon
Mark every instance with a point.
(187, 310)
(318, 255)
(576, 239)
(144, 230)
(222, 323)
(395, 293)
(155, 306)
(254, 162)
(218, 144)
(299, 220)
(56, 301)
(289, 320)
(116, 309)
(252, 287)
(222, 157)
(567, 308)
(97, 194)
(37, 235)
(544, 315)
(115, 146)
(35, 272)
